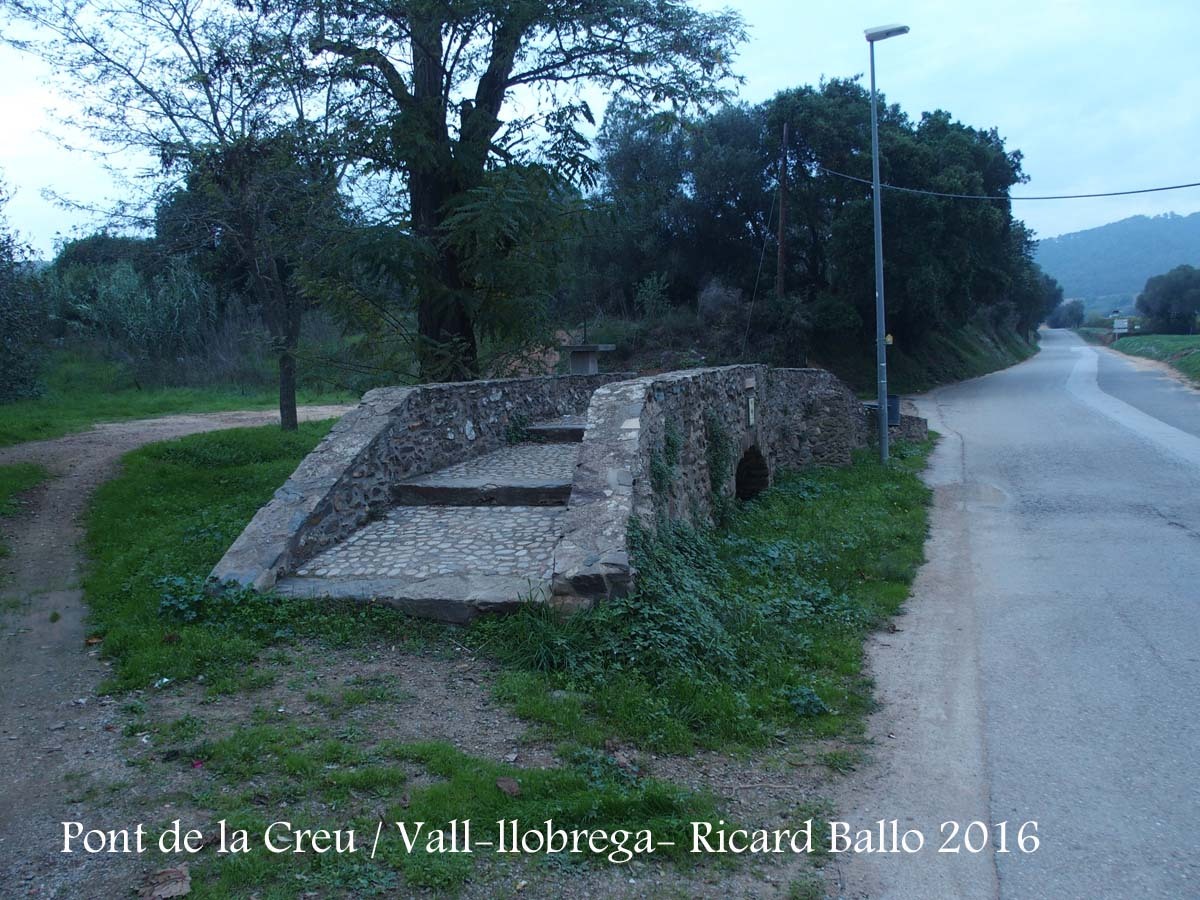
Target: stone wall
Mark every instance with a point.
(393, 434)
(814, 419)
(676, 446)
(910, 428)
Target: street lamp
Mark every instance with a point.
(873, 35)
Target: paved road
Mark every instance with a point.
(1049, 665)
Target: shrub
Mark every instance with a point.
(20, 321)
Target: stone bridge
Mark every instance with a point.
(448, 500)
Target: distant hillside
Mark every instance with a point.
(1108, 266)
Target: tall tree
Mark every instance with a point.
(226, 108)
(438, 79)
(1172, 301)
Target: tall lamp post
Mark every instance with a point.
(873, 36)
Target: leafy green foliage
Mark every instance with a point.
(238, 120)
(1067, 315)
(1171, 302)
(21, 319)
(718, 452)
(696, 199)
(733, 634)
(664, 462)
(153, 318)
(472, 228)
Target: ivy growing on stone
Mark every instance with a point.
(664, 463)
(718, 452)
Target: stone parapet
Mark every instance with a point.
(679, 445)
(393, 434)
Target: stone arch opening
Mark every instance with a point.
(753, 475)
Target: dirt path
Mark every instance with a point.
(55, 732)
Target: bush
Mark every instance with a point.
(20, 322)
(1066, 315)
(1172, 301)
(147, 320)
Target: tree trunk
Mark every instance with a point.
(288, 419)
(284, 314)
(446, 348)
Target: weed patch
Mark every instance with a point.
(735, 635)
(155, 532)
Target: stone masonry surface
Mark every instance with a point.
(695, 426)
(393, 434)
(517, 464)
(420, 542)
(481, 522)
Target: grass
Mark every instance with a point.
(941, 358)
(736, 636)
(1093, 335)
(1180, 351)
(81, 392)
(156, 531)
(739, 637)
(15, 480)
(153, 533)
(371, 782)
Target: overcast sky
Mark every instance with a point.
(1099, 95)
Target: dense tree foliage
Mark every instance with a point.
(436, 81)
(224, 100)
(695, 201)
(1066, 315)
(20, 317)
(487, 219)
(1171, 302)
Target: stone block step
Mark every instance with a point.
(448, 563)
(563, 430)
(520, 475)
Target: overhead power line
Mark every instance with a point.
(893, 187)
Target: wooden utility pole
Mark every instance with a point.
(781, 255)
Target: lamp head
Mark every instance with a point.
(883, 32)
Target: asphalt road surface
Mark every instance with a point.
(1048, 668)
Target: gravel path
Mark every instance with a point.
(54, 729)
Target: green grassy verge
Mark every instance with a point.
(152, 534)
(739, 637)
(943, 359)
(156, 531)
(80, 393)
(736, 636)
(1180, 351)
(15, 480)
(1093, 335)
(940, 359)
(313, 771)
